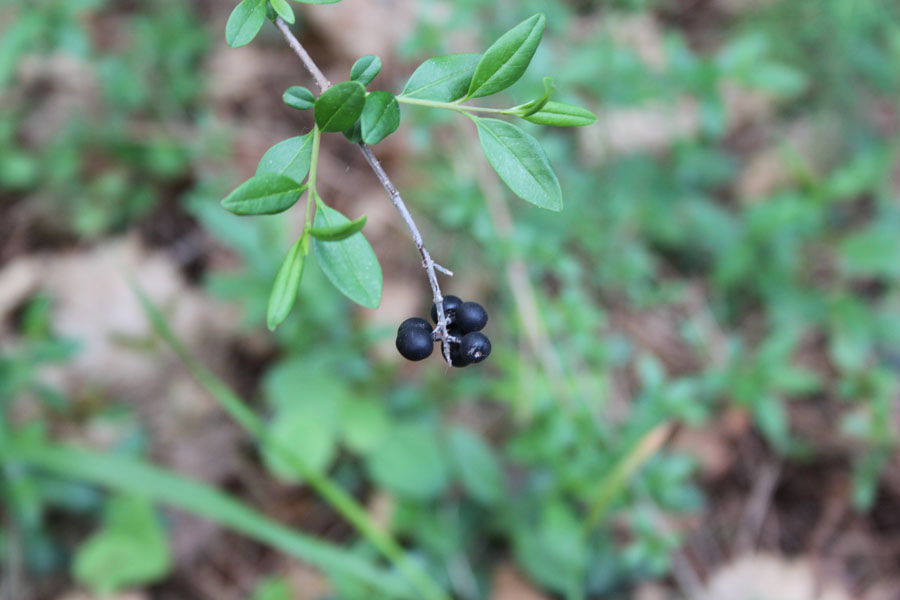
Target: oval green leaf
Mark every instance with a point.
(133, 540)
(283, 10)
(560, 114)
(350, 264)
(290, 158)
(477, 466)
(337, 233)
(442, 78)
(264, 194)
(244, 22)
(506, 60)
(521, 163)
(339, 106)
(299, 97)
(310, 430)
(365, 69)
(287, 283)
(410, 463)
(380, 117)
(364, 423)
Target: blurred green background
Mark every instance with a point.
(694, 380)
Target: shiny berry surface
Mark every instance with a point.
(415, 322)
(470, 316)
(475, 347)
(415, 343)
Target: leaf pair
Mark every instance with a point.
(341, 106)
(276, 186)
(516, 156)
(344, 254)
(449, 78)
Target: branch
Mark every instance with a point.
(427, 262)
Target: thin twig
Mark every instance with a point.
(385, 181)
(300, 51)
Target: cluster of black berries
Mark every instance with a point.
(415, 338)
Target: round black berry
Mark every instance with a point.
(415, 322)
(450, 305)
(415, 343)
(475, 347)
(457, 358)
(470, 316)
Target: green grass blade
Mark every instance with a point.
(134, 476)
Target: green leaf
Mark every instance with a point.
(442, 78)
(130, 550)
(552, 548)
(477, 466)
(380, 117)
(520, 162)
(244, 23)
(299, 97)
(532, 107)
(264, 194)
(310, 429)
(560, 114)
(290, 158)
(364, 424)
(410, 463)
(296, 379)
(339, 106)
(287, 282)
(354, 134)
(273, 588)
(283, 10)
(350, 264)
(365, 69)
(506, 60)
(337, 233)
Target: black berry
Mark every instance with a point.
(415, 343)
(415, 322)
(456, 356)
(470, 316)
(474, 347)
(450, 305)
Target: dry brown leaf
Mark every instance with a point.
(769, 577)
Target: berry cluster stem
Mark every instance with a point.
(427, 262)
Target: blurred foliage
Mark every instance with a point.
(809, 265)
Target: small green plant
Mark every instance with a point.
(289, 168)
